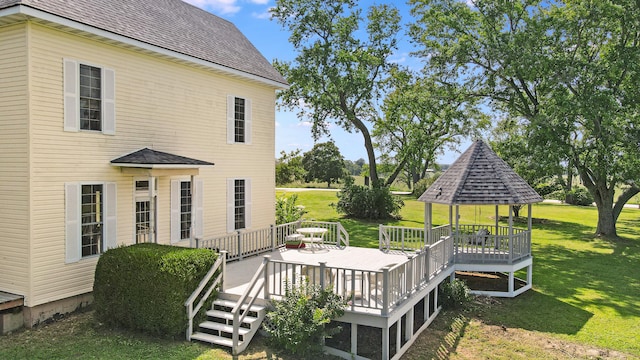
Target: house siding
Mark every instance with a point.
(14, 160)
(164, 105)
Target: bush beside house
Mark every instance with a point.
(143, 287)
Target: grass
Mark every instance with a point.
(584, 303)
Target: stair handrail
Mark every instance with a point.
(343, 235)
(191, 311)
(237, 318)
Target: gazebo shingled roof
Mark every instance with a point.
(480, 176)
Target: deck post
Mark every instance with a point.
(427, 262)
(354, 338)
(408, 330)
(398, 335)
(425, 312)
(223, 253)
(239, 242)
(511, 283)
(385, 297)
(274, 240)
(385, 342)
(323, 266)
(265, 260)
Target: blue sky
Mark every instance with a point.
(253, 19)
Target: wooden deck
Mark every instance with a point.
(9, 301)
(239, 273)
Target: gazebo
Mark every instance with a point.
(480, 177)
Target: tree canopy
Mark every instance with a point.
(569, 70)
(324, 163)
(337, 75)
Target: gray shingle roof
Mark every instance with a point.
(480, 176)
(150, 157)
(170, 24)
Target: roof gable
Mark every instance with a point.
(480, 176)
(169, 24)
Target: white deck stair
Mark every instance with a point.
(218, 328)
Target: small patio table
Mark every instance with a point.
(312, 235)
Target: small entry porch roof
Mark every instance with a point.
(157, 163)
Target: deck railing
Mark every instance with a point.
(400, 238)
(197, 293)
(473, 246)
(469, 243)
(380, 290)
(253, 242)
(408, 239)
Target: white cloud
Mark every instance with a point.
(262, 15)
(277, 124)
(222, 7)
(259, 2)
(305, 123)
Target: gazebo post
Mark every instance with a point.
(427, 223)
(510, 234)
(497, 222)
(451, 220)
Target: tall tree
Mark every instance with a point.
(569, 69)
(324, 163)
(422, 118)
(341, 65)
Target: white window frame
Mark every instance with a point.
(71, 76)
(231, 120)
(73, 219)
(231, 197)
(197, 209)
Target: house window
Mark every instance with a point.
(185, 210)
(90, 98)
(238, 120)
(92, 220)
(239, 205)
(239, 112)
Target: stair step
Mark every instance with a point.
(229, 316)
(223, 327)
(231, 304)
(213, 339)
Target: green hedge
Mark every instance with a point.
(143, 287)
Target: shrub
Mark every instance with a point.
(455, 294)
(143, 287)
(297, 322)
(579, 196)
(286, 209)
(362, 202)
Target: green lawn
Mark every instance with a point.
(586, 291)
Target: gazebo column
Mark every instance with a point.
(428, 208)
(510, 236)
(497, 220)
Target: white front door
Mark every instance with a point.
(145, 205)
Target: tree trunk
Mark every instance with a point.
(606, 223)
(516, 210)
(396, 172)
(603, 197)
